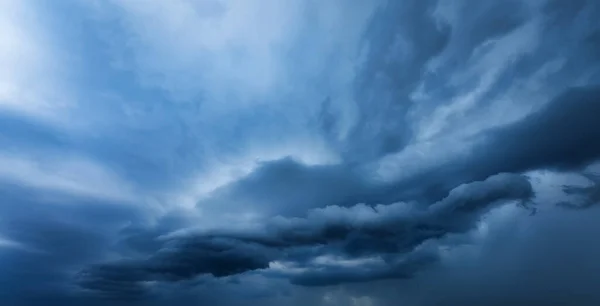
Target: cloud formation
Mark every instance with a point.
(394, 234)
(299, 152)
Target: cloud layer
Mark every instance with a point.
(299, 152)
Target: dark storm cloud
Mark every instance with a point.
(386, 91)
(115, 282)
(400, 41)
(57, 234)
(565, 134)
(178, 260)
(399, 227)
(288, 187)
(78, 251)
(352, 232)
(550, 259)
(184, 259)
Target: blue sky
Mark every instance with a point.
(298, 152)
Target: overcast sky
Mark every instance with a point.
(299, 152)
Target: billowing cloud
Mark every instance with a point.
(395, 234)
(299, 152)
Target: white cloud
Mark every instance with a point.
(31, 69)
(231, 56)
(233, 52)
(232, 46)
(6, 243)
(72, 175)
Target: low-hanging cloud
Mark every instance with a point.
(394, 232)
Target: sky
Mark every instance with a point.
(299, 152)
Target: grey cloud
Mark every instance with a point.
(159, 145)
(288, 187)
(399, 41)
(218, 256)
(59, 234)
(397, 227)
(501, 70)
(550, 259)
(443, 41)
(114, 282)
(562, 135)
(483, 21)
(586, 196)
(178, 261)
(395, 232)
(565, 134)
(563, 12)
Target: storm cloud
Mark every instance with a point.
(299, 152)
(395, 234)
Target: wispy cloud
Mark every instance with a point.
(66, 174)
(34, 73)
